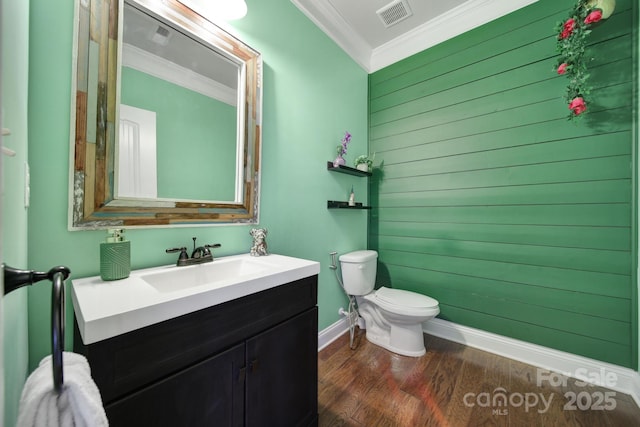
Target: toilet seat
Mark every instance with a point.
(404, 302)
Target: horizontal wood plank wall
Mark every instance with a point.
(518, 221)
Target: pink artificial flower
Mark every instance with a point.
(563, 68)
(594, 16)
(578, 106)
(568, 27)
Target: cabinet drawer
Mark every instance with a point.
(128, 362)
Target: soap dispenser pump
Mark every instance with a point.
(115, 256)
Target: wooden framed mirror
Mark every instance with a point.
(201, 87)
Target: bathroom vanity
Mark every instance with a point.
(247, 358)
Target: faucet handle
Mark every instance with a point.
(207, 247)
(173, 250)
(183, 254)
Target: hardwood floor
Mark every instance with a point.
(455, 385)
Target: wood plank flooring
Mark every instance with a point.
(455, 385)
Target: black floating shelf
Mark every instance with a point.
(347, 170)
(332, 204)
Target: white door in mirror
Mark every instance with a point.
(136, 167)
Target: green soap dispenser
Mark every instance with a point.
(115, 256)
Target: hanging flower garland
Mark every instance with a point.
(571, 44)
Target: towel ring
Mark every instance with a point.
(57, 327)
(14, 279)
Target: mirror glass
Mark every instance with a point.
(167, 118)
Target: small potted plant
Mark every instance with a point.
(364, 162)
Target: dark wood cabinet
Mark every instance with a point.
(279, 373)
(206, 394)
(248, 362)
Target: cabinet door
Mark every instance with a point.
(282, 374)
(210, 393)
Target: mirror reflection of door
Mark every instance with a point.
(137, 165)
(193, 91)
(206, 91)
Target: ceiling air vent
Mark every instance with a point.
(394, 12)
(161, 36)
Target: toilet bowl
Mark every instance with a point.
(392, 317)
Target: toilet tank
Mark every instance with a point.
(359, 271)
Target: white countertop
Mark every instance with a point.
(107, 309)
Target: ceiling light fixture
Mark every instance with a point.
(216, 10)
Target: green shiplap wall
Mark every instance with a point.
(518, 221)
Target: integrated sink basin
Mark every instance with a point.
(218, 272)
(148, 296)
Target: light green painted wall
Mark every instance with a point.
(15, 62)
(313, 92)
(187, 123)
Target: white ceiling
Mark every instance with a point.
(139, 29)
(161, 49)
(359, 31)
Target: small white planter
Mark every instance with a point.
(362, 167)
(607, 6)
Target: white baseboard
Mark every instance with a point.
(604, 374)
(332, 332)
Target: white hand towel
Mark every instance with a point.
(77, 405)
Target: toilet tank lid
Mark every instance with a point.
(405, 298)
(358, 256)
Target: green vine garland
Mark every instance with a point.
(571, 44)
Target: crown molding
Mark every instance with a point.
(145, 62)
(327, 18)
(458, 20)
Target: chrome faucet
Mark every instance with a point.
(199, 255)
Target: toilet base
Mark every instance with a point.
(410, 338)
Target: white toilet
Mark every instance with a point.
(393, 317)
